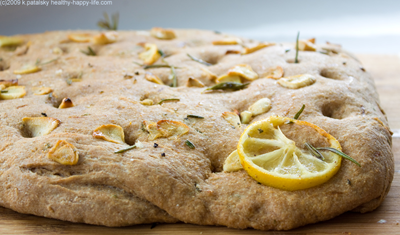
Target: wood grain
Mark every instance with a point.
(386, 71)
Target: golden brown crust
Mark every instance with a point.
(172, 182)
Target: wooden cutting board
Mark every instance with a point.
(385, 220)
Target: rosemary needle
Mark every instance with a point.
(340, 154)
(198, 60)
(125, 149)
(297, 48)
(299, 112)
(314, 151)
(194, 116)
(170, 99)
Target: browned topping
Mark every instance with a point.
(275, 73)
(64, 153)
(66, 103)
(193, 82)
(161, 33)
(39, 126)
(110, 132)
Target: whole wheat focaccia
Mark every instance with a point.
(132, 127)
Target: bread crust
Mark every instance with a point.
(171, 182)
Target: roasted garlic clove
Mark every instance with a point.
(39, 126)
(246, 116)
(260, 106)
(42, 90)
(110, 132)
(228, 41)
(298, 81)
(232, 162)
(232, 118)
(161, 33)
(80, 37)
(275, 73)
(150, 55)
(147, 102)
(28, 69)
(228, 78)
(66, 103)
(105, 38)
(153, 78)
(10, 41)
(172, 128)
(153, 130)
(307, 45)
(22, 50)
(64, 153)
(12, 92)
(8, 83)
(211, 76)
(193, 82)
(248, 50)
(244, 71)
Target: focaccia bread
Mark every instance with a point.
(80, 97)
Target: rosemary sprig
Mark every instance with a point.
(3, 91)
(228, 86)
(107, 24)
(299, 112)
(340, 154)
(194, 116)
(174, 80)
(190, 144)
(314, 151)
(296, 60)
(125, 149)
(89, 52)
(198, 60)
(170, 99)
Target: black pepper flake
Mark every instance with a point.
(344, 62)
(362, 69)
(137, 73)
(153, 225)
(44, 114)
(155, 145)
(348, 182)
(163, 155)
(260, 130)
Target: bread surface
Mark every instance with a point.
(172, 182)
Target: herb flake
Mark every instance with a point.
(198, 60)
(125, 149)
(190, 144)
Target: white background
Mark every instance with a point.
(360, 26)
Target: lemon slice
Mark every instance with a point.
(274, 159)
